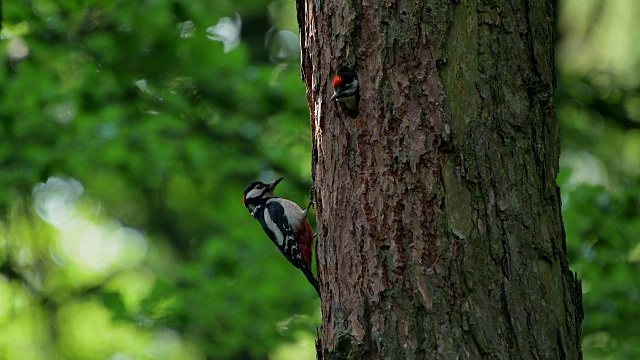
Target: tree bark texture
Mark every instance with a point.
(439, 227)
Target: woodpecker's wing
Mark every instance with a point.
(293, 240)
(276, 225)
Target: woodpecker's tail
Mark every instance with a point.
(312, 280)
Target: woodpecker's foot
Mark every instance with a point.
(311, 203)
(315, 236)
(312, 193)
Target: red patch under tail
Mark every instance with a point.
(305, 235)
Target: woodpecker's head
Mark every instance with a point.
(345, 88)
(257, 192)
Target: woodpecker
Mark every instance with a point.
(346, 88)
(285, 223)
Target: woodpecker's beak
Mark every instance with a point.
(275, 183)
(335, 96)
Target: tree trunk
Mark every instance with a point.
(439, 227)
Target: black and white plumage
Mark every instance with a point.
(285, 223)
(346, 88)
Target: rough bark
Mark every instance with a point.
(439, 224)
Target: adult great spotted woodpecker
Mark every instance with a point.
(346, 88)
(285, 223)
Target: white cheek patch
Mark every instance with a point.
(353, 85)
(274, 229)
(254, 193)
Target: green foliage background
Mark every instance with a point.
(129, 130)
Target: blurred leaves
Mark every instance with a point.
(603, 236)
(136, 134)
(597, 102)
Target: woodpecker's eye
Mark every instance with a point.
(259, 186)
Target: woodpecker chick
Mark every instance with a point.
(346, 88)
(285, 223)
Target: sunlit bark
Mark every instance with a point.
(440, 232)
